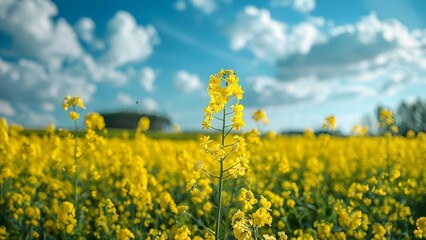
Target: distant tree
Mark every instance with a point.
(129, 120)
(408, 117)
(411, 117)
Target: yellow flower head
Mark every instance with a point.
(72, 102)
(330, 123)
(260, 115)
(66, 217)
(421, 223)
(386, 117)
(182, 209)
(264, 203)
(268, 237)
(74, 115)
(222, 87)
(282, 236)
(143, 124)
(261, 217)
(94, 121)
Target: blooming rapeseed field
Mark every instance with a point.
(231, 185)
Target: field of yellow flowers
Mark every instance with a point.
(60, 185)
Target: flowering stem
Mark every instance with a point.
(232, 144)
(231, 167)
(211, 180)
(217, 129)
(205, 198)
(220, 119)
(209, 174)
(201, 224)
(231, 174)
(75, 174)
(219, 200)
(228, 132)
(231, 204)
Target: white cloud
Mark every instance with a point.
(256, 30)
(187, 82)
(370, 59)
(6, 108)
(304, 6)
(30, 118)
(206, 6)
(48, 106)
(85, 28)
(147, 78)
(370, 29)
(47, 62)
(266, 90)
(303, 37)
(128, 42)
(125, 99)
(29, 81)
(180, 5)
(354, 50)
(35, 34)
(149, 104)
(268, 38)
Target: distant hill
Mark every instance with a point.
(129, 120)
(317, 133)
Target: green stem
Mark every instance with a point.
(211, 180)
(219, 200)
(205, 198)
(76, 176)
(200, 223)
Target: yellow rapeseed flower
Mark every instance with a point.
(330, 123)
(143, 124)
(66, 217)
(260, 115)
(74, 115)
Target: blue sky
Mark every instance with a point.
(300, 60)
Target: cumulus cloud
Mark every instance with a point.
(180, 5)
(31, 118)
(30, 81)
(35, 34)
(49, 59)
(128, 42)
(268, 38)
(147, 79)
(125, 99)
(368, 59)
(206, 6)
(48, 106)
(149, 104)
(85, 28)
(268, 91)
(351, 49)
(303, 6)
(187, 82)
(6, 108)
